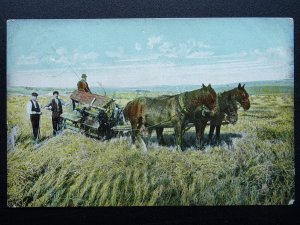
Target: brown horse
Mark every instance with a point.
(168, 111)
(227, 103)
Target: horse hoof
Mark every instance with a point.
(142, 147)
(201, 148)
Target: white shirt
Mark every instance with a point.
(29, 107)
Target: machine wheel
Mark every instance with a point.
(63, 124)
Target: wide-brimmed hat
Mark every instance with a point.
(34, 94)
(83, 75)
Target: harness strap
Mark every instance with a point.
(181, 103)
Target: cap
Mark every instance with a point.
(55, 92)
(34, 94)
(83, 75)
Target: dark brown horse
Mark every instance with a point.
(227, 103)
(227, 111)
(168, 111)
(227, 107)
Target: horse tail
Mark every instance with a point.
(126, 110)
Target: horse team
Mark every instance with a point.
(176, 111)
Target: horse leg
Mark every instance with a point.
(141, 143)
(149, 135)
(73, 104)
(202, 129)
(160, 137)
(218, 131)
(133, 131)
(198, 134)
(211, 133)
(178, 133)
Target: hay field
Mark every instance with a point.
(254, 164)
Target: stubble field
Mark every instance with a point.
(253, 165)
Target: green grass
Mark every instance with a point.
(254, 164)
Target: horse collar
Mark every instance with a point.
(181, 103)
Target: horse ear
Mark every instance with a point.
(203, 86)
(239, 87)
(244, 86)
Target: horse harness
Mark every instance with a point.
(181, 104)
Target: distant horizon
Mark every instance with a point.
(131, 87)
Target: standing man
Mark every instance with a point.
(82, 85)
(33, 109)
(55, 105)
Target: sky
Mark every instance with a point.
(148, 52)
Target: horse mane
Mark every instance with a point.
(223, 100)
(224, 92)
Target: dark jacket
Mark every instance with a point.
(56, 108)
(83, 86)
(35, 109)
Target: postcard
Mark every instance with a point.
(150, 112)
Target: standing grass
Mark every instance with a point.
(254, 164)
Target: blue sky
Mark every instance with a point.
(146, 52)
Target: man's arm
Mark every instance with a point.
(64, 103)
(87, 87)
(49, 105)
(28, 108)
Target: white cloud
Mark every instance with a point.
(168, 49)
(118, 53)
(189, 49)
(138, 47)
(199, 54)
(31, 59)
(62, 59)
(75, 58)
(281, 52)
(145, 58)
(153, 40)
(201, 45)
(79, 57)
(60, 51)
(195, 49)
(278, 55)
(230, 57)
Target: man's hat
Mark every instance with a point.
(55, 92)
(83, 75)
(34, 94)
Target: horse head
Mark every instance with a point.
(210, 99)
(231, 110)
(242, 97)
